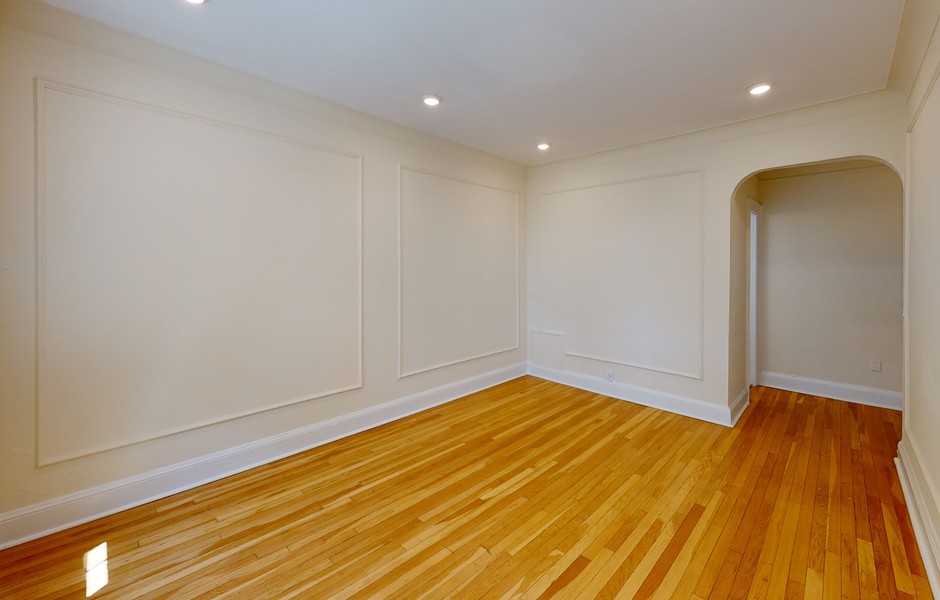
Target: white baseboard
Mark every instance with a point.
(739, 404)
(830, 389)
(689, 407)
(54, 515)
(923, 504)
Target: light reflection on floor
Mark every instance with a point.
(96, 569)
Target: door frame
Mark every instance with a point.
(755, 217)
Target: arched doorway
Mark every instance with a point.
(817, 281)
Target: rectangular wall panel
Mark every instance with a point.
(621, 272)
(190, 272)
(459, 271)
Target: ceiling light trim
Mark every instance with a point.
(760, 89)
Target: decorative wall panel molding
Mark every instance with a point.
(190, 272)
(621, 272)
(458, 271)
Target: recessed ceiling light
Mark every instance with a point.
(543, 146)
(432, 100)
(759, 89)
(197, 1)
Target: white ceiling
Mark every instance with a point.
(585, 75)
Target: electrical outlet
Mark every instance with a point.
(876, 366)
(610, 375)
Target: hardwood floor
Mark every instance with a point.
(531, 490)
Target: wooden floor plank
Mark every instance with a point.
(532, 490)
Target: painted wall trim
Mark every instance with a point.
(925, 80)
(740, 404)
(664, 371)
(680, 405)
(42, 86)
(917, 494)
(402, 374)
(858, 394)
(700, 374)
(49, 21)
(54, 515)
(862, 104)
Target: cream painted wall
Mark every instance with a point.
(209, 243)
(203, 271)
(739, 302)
(870, 125)
(604, 251)
(921, 443)
(458, 245)
(831, 277)
(40, 42)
